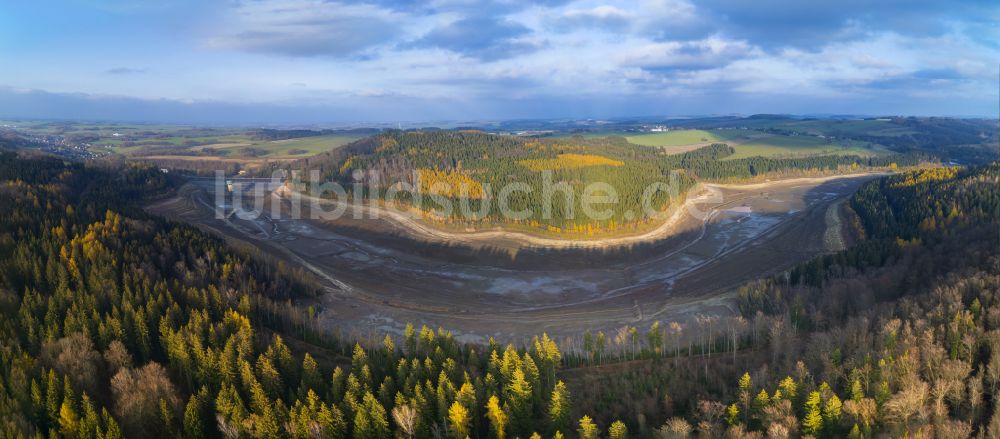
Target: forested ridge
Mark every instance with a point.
(901, 331)
(473, 162)
(490, 162)
(115, 323)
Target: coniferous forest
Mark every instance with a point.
(119, 324)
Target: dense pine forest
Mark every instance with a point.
(118, 324)
(478, 165)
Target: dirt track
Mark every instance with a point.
(381, 275)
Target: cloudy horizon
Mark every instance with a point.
(314, 61)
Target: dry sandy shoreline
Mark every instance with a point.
(700, 194)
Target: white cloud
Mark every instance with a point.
(306, 27)
(687, 55)
(317, 51)
(606, 17)
(884, 63)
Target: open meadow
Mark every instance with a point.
(678, 138)
(277, 149)
(751, 143)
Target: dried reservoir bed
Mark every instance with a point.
(380, 276)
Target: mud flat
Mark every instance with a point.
(380, 274)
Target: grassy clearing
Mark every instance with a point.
(751, 143)
(683, 137)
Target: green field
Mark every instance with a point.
(683, 137)
(751, 143)
(299, 147)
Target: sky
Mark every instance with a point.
(317, 61)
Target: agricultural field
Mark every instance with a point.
(753, 143)
(277, 149)
(680, 138)
(140, 143)
(178, 142)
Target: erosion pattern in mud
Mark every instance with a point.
(378, 279)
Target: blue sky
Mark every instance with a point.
(315, 61)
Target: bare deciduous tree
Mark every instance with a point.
(137, 397)
(117, 357)
(674, 428)
(406, 419)
(75, 356)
